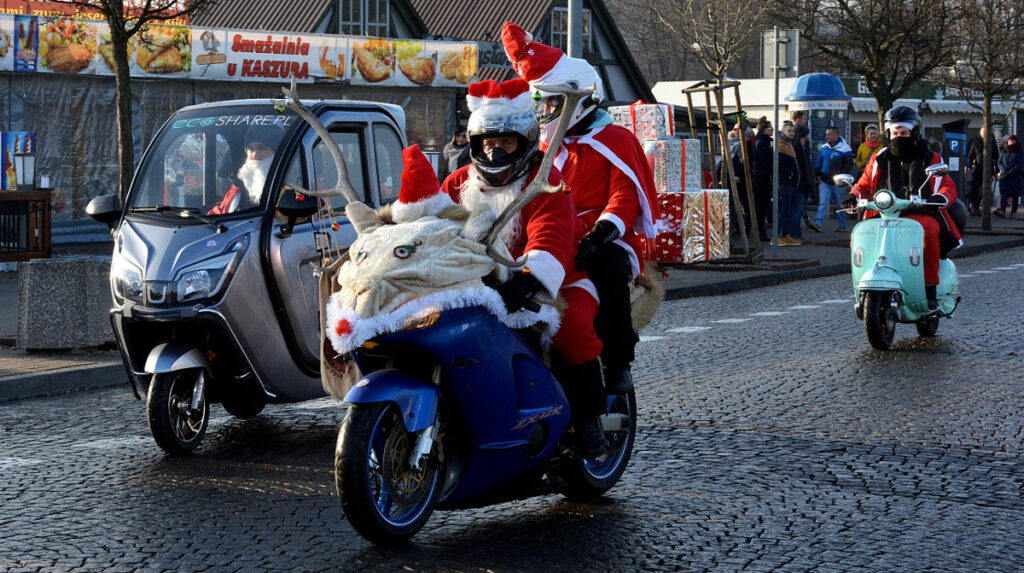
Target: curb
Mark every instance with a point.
(758, 281)
(51, 382)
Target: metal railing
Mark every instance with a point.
(24, 225)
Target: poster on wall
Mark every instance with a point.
(26, 41)
(6, 42)
(13, 143)
(457, 64)
(162, 51)
(66, 46)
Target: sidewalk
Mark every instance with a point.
(27, 375)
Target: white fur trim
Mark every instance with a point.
(432, 205)
(473, 102)
(479, 223)
(547, 270)
(646, 226)
(587, 285)
(615, 220)
(523, 101)
(364, 329)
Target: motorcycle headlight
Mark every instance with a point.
(883, 200)
(127, 279)
(212, 278)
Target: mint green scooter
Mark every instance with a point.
(888, 275)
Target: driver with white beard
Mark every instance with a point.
(260, 142)
(503, 139)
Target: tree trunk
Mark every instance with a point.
(986, 180)
(125, 141)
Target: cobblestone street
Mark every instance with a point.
(772, 438)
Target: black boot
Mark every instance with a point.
(933, 301)
(585, 390)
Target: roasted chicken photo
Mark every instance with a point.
(374, 60)
(69, 59)
(419, 70)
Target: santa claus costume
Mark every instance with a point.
(612, 186)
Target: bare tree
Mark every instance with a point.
(127, 19)
(658, 60)
(988, 63)
(893, 44)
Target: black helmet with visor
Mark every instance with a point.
(499, 167)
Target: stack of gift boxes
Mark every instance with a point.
(695, 221)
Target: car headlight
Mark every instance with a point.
(127, 279)
(212, 277)
(883, 200)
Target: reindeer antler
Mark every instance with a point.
(540, 181)
(344, 187)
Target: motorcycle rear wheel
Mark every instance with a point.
(928, 326)
(175, 427)
(588, 479)
(879, 321)
(385, 500)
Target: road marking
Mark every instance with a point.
(11, 462)
(769, 313)
(732, 320)
(985, 272)
(650, 338)
(688, 329)
(967, 276)
(1006, 268)
(836, 301)
(113, 443)
(322, 403)
(804, 307)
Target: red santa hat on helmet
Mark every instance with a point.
(541, 64)
(420, 195)
(514, 92)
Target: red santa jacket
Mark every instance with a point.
(868, 184)
(612, 181)
(551, 235)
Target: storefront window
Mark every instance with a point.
(365, 18)
(560, 29)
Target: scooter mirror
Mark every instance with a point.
(106, 209)
(293, 206)
(937, 169)
(843, 180)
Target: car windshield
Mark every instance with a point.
(213, 161)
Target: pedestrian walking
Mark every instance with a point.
(1011, 164)
(975, 168)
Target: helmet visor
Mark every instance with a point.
(548, 107)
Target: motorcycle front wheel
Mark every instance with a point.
(384, 499)
(177, 427)
(591, 478)
(879, 320)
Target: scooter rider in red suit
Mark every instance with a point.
(503, 138)
(612, 185)
(900, 167)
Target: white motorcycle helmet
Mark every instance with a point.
(501, 110)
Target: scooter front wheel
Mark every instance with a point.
(879, 320)
(590, 478)
(177, 410)
(384, 498)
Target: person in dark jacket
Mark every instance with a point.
(1011, 166)
(802, 147)
(975, 164)
(761, 176)
(455, 154)
(789, 181)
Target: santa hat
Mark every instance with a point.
(541, 64)
(420, 194)
(515, 92)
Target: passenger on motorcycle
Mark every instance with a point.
(900, 167)
(612, 186)
(503, 137)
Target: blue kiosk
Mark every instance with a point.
(823, 98)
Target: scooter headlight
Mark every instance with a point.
(127, 279)
(212, 278)
(883, 200)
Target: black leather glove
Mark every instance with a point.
(850, 201)
(602, 233)
(937, 200)
(516, 291)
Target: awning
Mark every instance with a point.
(958, 106)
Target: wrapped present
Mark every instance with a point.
(667, 247)
(676, 164)
(645, 120)
(705, 232)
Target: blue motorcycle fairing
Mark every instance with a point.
(417, 399)
(503, 390)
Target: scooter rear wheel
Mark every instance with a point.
(928, 326)
(176, 427)
(591, 478)
(384, 499)
(879, 320)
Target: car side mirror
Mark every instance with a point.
(106, 209)
(294, 206)
(843, 180)
(937, 170)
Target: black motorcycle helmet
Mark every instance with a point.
(903, 114)
(501, 120)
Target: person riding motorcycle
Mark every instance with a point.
(612, 186)
(503, 137)
(900, 167)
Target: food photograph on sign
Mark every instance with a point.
(332, 55)
(106, 49)
(416, 64)
(66, 45)
(26, 42)
(457, 63)
(373, 59)
(164, 50)
(6, 42)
